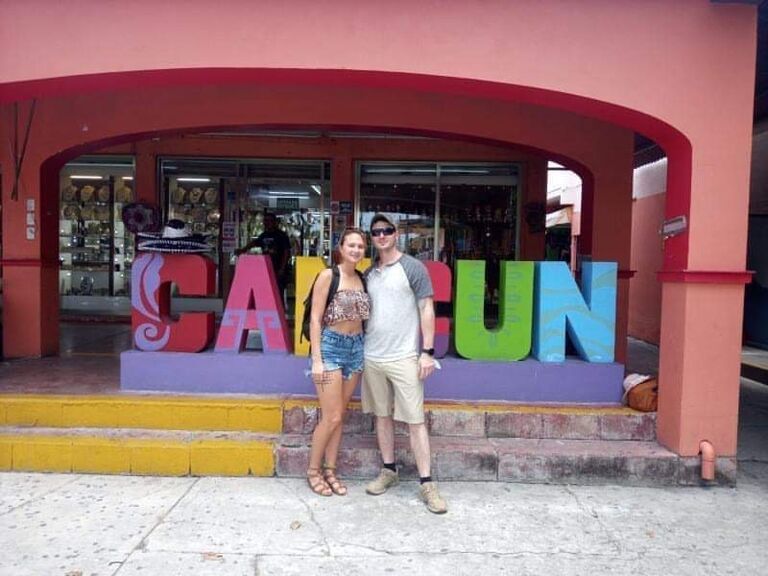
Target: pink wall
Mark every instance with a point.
(706, 45)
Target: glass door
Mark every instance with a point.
(447, 211)
(275, 200)
(406, 192)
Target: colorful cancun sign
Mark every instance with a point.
(539, 304)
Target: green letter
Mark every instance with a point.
(511, 340)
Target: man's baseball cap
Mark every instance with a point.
(382, 218)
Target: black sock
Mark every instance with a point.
(425, 479)
(390, 466)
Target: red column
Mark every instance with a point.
(145, 178)
(30, 256)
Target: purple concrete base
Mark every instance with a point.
(528, 381)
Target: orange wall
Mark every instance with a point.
(647, 261)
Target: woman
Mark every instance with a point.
(336, 340)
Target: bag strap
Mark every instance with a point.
(363, 280)
(335, 281)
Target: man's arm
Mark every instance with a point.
(427, 322)
(251, 244)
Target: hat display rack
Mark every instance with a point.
(95, 253)
(197, 206)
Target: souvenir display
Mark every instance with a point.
(102, 213)
(95, 248)
(88, 212)
(211, 195)
(86, 193)
(70, 212)
(140, 217)
(195, 195)
(123, 195)
(199, 214)
(69, 193)
(179, 195)
(198, 208)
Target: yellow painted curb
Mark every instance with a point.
(232, 458)
(157, 457)
(160, 413)
(150, 458)
(6, 449)
(42, 454)
(100, 456)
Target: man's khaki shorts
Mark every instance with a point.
(394, 384)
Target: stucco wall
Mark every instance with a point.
(648, 193)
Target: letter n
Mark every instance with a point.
(590, 320)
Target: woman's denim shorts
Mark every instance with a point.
(341, 352)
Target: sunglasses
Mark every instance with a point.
(388, 231)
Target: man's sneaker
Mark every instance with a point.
(432, 498)
(385, 480)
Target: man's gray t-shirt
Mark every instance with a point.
(393, 330)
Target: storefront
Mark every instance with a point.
(512, 87)
(446, 211)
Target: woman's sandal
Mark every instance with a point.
(329, 473)
(317, 483)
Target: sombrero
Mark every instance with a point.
(176, 237)
(141, 217)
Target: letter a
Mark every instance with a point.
(253, 304)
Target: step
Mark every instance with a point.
(263, 415)
(273, 415)
(228, 453)
(547, 461)
(137, 451)
(496, 421)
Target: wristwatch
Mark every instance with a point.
(430, 351)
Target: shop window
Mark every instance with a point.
(445, 211)
(95, 250)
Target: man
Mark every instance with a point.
(395, 366)
(276, 243)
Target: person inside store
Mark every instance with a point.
(402, 309)
(336, 347)
(277, 245)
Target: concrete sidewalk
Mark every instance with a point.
(73, 525)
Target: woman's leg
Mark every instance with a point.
(330, 396)
(332, 449)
